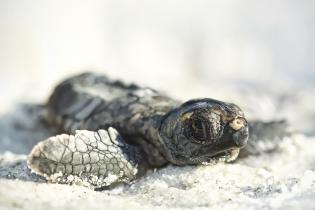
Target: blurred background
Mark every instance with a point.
(208, 48)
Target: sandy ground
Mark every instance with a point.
(284, 179)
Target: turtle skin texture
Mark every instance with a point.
(110, 132)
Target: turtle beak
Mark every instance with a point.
(240, 137)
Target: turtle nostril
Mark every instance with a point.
(240, 138)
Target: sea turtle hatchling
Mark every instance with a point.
(115, 132)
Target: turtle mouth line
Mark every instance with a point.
(218, 152)
(227, 155)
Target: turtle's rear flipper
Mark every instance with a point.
(264, 137)
(97, 159)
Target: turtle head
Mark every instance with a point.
(203, 130)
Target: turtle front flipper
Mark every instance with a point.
(265, 137)
(97, 159)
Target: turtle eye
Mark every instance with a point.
(196, 128)
(198, 124)
(203, 127)
(199, 129)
